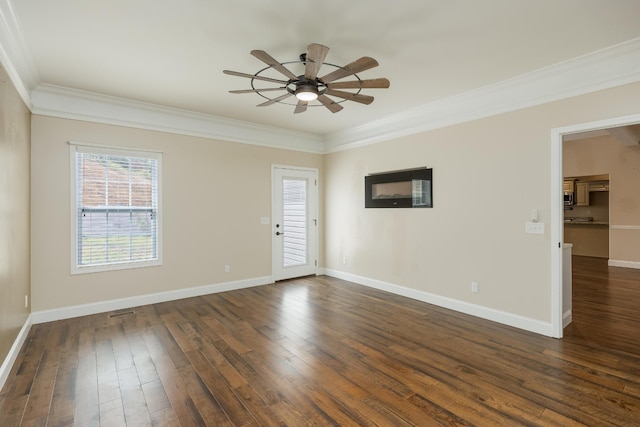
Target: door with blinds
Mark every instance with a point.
(294, 224)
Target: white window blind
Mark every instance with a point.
(116, 212)
(294, 222)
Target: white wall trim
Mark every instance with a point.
(14, 54)
(625, 264)
(557, 233)
(610, 67)
(622, 263)
(122, 303)
(557, 211)
(5, 369)
(66, 103)
(567, 318)
(624, 227)
(606, 68)
(503, 317)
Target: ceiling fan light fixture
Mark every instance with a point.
(307, 93)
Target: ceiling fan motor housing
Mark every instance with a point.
(303, 86)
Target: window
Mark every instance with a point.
(116, 209)
(294, 221)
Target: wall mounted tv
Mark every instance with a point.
(410, 188)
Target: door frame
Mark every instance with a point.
(274, 241)
(557, 206)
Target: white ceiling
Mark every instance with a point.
(172, 53)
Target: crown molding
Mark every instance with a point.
(610, 67)
(15, 57)
(607, 68)
(56, 101)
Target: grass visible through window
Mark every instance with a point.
(97, 250)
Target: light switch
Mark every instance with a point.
(264, 220)
(534, 228)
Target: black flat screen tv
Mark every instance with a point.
(411, 188)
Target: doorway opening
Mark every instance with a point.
(557, 207)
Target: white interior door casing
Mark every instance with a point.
(557, 208)
(294, 225)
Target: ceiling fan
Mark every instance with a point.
(308, 87)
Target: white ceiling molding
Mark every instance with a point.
(14, 54)
(607, 68)
(74, 104)
(603, 69)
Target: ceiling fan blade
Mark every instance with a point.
(334, 107)
(252, 76)
(269, 60)
(362, 99)
(301, 107)
(356, 66)
(358, 84)
(316, 53)
(274, 100)
(257, 90)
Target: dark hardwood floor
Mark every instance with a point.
(322, 351)
(606, 305)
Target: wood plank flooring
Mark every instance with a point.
(322, 351)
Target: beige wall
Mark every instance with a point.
(488, 176)
(606, 155)
(214, 194)
(14, 213)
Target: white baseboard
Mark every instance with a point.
(567, 318)
(5, 369)
(510, 319)
(43, 316)
(625, 264)
(119, 304)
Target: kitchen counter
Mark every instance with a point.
(574, 222)
(589, 238)
(587, 220)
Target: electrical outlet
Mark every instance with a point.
(474, 287)
(227, 268)
(26, 301)
(344, 260)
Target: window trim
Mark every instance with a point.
(119, 151)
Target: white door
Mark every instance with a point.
(294, 222)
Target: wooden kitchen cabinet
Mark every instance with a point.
(599, 186)
(567, 186)
(582, 194)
